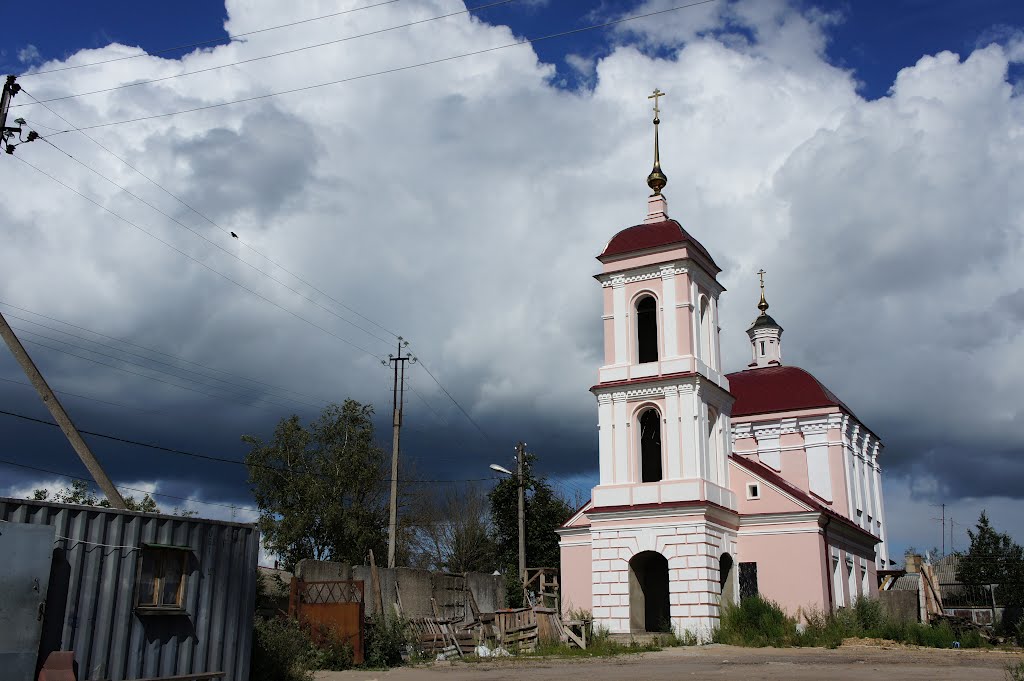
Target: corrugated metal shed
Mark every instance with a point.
(91, 600)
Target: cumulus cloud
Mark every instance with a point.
(461, 205)
(29, 54)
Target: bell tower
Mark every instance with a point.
(765, 336)
(662, 522)
(663, 403)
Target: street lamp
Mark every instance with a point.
(520, 456)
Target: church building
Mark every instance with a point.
(713, 486)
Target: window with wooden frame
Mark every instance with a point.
(160, 581)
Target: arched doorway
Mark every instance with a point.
(648, 593)
(726, 579)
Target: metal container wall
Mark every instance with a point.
(91, 607)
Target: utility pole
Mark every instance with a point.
(520, 460)
(59, 415)
(943, 520)
(32, 371)
(396, 425)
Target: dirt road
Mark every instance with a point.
(853, 663)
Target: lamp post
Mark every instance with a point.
(520, 456)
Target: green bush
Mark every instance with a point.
(386, 639)
(281, 651)
(332, 652)
(756, 623)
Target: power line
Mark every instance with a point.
(153, 378)
(148, 349)
(130, 489)
(211, 242)
(230, 39)
(83, 397)
(398, 69)
(252, 390)
(196, 260)
(209, 457)
(211, 221)
(469, 10)
(456, 403)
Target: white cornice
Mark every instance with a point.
(643, 273)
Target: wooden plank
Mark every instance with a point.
(375, 578)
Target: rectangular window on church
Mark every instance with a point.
(753, 491)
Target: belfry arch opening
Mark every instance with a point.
(648, 593)
(647, 330)
(650, 446)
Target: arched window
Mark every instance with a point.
(650, 446)
(647, 330)
(707, 334)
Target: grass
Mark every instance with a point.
(757, 622)
(1015, 671)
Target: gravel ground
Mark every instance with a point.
(852, 662)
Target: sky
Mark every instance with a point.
(866, 155)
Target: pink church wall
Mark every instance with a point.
(771, 501)
(789, 567)
(576, 578)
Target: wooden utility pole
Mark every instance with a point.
(36, 377)
(59, 415)
(396, 426)
(520, 457)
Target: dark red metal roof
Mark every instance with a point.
(653, 235)
(779, 388)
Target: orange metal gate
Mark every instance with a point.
(332, 608)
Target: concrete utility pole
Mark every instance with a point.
(399, 399)
(32, 371)
(520, 457)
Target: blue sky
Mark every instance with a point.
(875, 38)
(780, 156)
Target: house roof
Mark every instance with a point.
(650, 236)
(779, 388)
(770, 476)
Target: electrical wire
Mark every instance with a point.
(218, 459)
(137, 83)
(148, 349)
(398, 69)
(230, 39)
(196, 260)
(65, 393)
(227, 232)
(213, 243)
(252, 391)
(130, 489)
(152, 378)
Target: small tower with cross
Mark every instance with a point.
(765, 335)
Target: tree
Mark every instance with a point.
(322, 490)
(993, 558)
(80, 493)
(545, 512)
(453, 533)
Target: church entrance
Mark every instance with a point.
(648, 593)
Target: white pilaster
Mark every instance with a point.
(670, 438)
(688, 416)
(668, 310)
(621, 416)
(768, 450)
(606, 442)
(819, 477)
(621, 322)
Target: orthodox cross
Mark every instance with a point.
(761, 273)
(657, 93)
